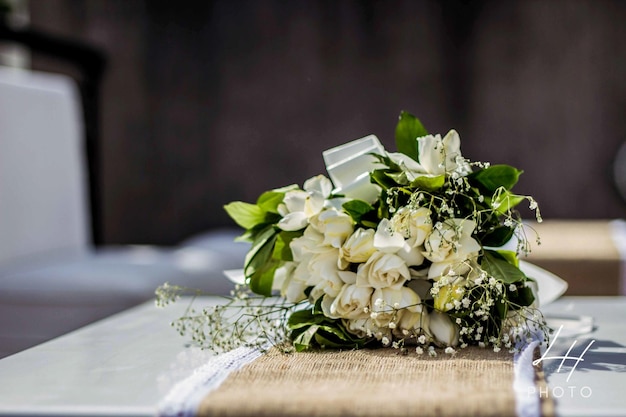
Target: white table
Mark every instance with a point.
(123, 365)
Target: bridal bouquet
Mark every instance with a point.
(395, 249)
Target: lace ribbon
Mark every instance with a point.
(527, 402)
(183, 399)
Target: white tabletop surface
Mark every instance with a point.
(597, 385)
(125, 364)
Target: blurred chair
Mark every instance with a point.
(53, 279)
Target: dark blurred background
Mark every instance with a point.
(207, 102)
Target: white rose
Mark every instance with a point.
(305, 246)
(332, 285)
(383, 270)
(388, 240)
(389, 304)
(324, 274)
(301, 273)
(413, 224)
(366, 327)
(449, 245)
(351, 303)
(335, 225)
(303, 249)
(438, 156)
(443, 329)
(299, 206)
(358, 248)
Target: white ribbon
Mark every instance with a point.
(184, 398)
(618, 233)
(527, 400)
(349, 166)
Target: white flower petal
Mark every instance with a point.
(314, 203)
(431, 154)
(293, 221)
(443, 329)
(411, 255)
(319, 184)
(294, 200)
(385, 239)
(408, 164)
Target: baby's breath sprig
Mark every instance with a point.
(241, 319)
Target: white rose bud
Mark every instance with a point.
(448, 294)
(412, 321)
(383, 270)
(443, 329)
(358, 248)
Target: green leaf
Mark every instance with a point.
(357, 209)
(502, 309)
(497, 237)
(245, 215)
(399, 178)
(381, 177)
(523, 296)
(282, 250)
(262, 280)
(496, 266)
(250, 235)
(325, 342)
(510, 256)
(302, 342)
(300, 318)
(428, 183)
(408, 129)
(270, 200)
(257, 259)
(496, 176)
(314, 329)
(370, 224)
(505, 201)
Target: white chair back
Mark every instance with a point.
(43, 184)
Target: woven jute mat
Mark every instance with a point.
(377, 382)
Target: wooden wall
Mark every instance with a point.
(207, 102)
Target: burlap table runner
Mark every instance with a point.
(380, 382)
